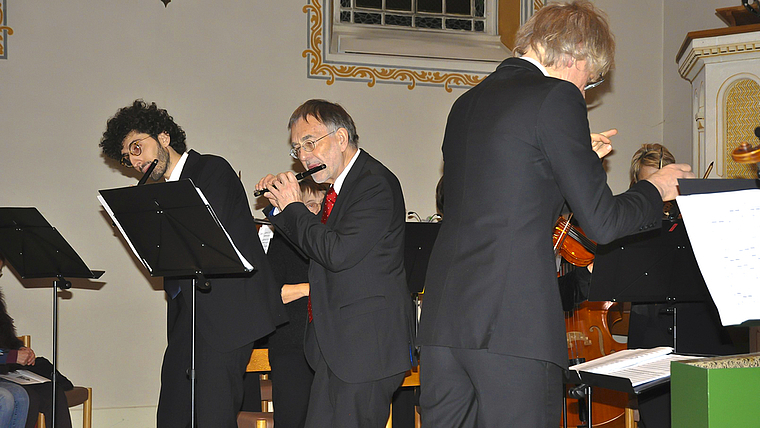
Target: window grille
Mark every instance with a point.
(435, 15)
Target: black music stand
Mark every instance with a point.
(418, 244)
(36, 249)
(173, 231)
(651, 267)
(654, 267)
(614, 383)
(419, 238)
(690, 186)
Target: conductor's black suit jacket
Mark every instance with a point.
(236, 311)
(517, 146)
(363, 315)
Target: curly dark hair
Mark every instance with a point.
(144, 118)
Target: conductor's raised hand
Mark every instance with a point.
(283, 189)
(666, 179)
(601, 142)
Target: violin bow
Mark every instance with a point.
(562, 235)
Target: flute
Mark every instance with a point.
(300, 176)
(145, 176)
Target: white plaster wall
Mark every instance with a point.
(631, 99)
(230, 73)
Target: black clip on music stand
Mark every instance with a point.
(37, 250)
(174, 232)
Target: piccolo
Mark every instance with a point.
(300, 176)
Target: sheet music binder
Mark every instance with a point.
(173, 230)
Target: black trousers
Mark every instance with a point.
(336, 403)
(291, 383)
(467, 388)
(41, 400)
(219, 376)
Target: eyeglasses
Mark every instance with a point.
(313, 206)
(308, 145)
(134, 149)
(593, 85)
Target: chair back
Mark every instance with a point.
(26, 340)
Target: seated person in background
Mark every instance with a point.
(14, 401)
(645, 162)
(291, 374)
(37, 397)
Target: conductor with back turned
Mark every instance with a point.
(492, 330)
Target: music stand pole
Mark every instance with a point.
(54, 349)
(61, 283)
(192, 362)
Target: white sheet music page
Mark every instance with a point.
(724, 233)
(242, 258)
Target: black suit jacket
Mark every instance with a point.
(363, 316)
(236, 311)
(517, 147)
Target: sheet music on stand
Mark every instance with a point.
(644, 368)
(723, 231)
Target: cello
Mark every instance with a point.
(588, 331)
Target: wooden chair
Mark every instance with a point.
(412, 378)
(259, 362)
(79, 395)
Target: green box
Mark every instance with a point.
(719, 392)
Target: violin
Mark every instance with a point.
(745, 153)
(572, 244)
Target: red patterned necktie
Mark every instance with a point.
(329, 202)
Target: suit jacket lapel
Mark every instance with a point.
(192, 159)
